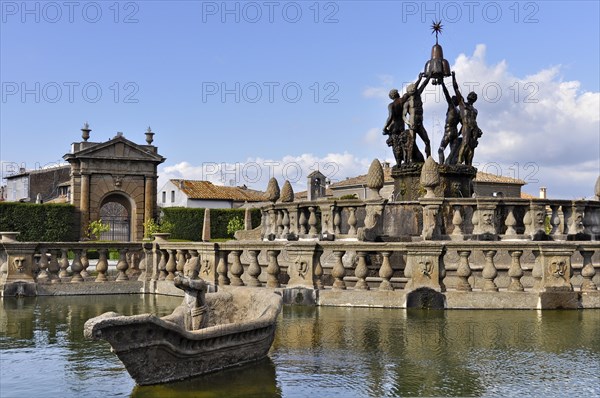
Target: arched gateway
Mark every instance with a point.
(114, 181)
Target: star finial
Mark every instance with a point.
(436, 27)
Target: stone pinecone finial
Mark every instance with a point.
(287, 193)
(375, 179)
(430, 177)
(272, 193)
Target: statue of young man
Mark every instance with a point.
(395, 127)
(470, 131)
(450, 129)
(413, 116)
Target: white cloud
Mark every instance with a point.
(255, 172)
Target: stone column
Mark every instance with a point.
(84, 203)
(148, 198)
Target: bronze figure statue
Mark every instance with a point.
(450, 129)
(413, 116)
(470, 131)
(395, 128)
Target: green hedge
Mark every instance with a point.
(187, 223)
(38, 222)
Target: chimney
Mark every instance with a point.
(543, 193)
(181, 184)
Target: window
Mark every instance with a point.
(172, 196)
(164, 196)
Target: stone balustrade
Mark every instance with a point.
(433, 219)
(507, 273)
(313, 219)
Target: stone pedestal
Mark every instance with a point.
(456, 181)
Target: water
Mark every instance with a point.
(345, 352)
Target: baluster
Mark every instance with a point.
(102, 265)
(64, 264)
(588, 271)
(286, 223)
(273, 268)
(236, 268)
(122, 266)
(352, 221)
(386, 272)
(489, 272)
(361, 271)
(162, 264)
(475, 221)
(515, 271)
(54, 267)
(537, 271)
(76, 266)
(318, 272)
(463, 271)
(273, 222)
(510, 222)
(171, 265)
(143, 266)
(312, 221)
(181, 260)
(554, 220)
(222, 268)
(338, 271)
(254, 268)
(337, 220)
(457, 221)
(279, 221)
(302, 221)
(85, 263)
(43, 264)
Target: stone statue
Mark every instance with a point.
(470, 131)
(192, 313)
(450, 129)
(412, 114)
(395, 128)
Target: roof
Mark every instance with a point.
(525, 195)
(497, 179)
(195, 189)
(38, 171)
(387, 178)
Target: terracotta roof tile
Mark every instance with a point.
(206, 190)
(387, 175)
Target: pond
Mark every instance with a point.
(323, 351)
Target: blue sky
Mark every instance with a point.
(292, 86)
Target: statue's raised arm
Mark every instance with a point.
(459, 97)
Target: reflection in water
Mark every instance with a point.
(326, 351)
(250, 380)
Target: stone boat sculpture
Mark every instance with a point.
(206, 333)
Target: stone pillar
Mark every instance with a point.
(148, 198)
(423, 267)
(556, 268)
(303, 257)
(84, 203)
(20, 261)
(208, 263)
(206, 226)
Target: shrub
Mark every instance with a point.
(187, 223)
(39, 222)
